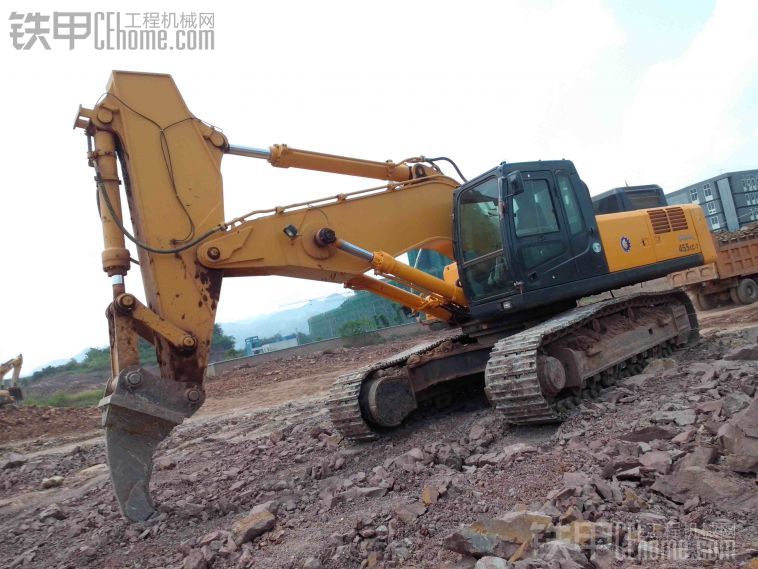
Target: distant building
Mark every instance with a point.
(254, 346)
(729, 200)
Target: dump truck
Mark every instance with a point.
(732, 277)
(523, 241)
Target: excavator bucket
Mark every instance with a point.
(137, 415)
(130, 440)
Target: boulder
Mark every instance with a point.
(499, 537)
(738, 438)
(253, 525)
(562, 551)
(735, 402)
(717, 488)
(701, 456)
(658, 460)
(745, 353)
(13, 460)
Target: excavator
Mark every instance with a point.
(525, 246)
(12, 395)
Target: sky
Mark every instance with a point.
(632, 92)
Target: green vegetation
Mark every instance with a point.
(88, 398)
(356, 334)
(99, 359)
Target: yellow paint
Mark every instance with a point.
(637, 238)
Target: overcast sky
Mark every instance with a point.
(638, 92)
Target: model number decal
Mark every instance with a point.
(688, 247)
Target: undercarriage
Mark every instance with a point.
(532, 376)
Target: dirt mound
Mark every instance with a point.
(749, 231)
(28, 422)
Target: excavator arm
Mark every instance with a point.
(170, 167)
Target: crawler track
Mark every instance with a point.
(344, 397)
(512, 385)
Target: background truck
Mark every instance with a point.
(732, 277)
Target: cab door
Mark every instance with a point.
(579, 217)
(541, 242)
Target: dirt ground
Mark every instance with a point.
(263, 443)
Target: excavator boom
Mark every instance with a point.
(171, 172)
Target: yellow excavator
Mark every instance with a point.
(524, 244)
(12, 395)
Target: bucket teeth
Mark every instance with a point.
(130, 440)
(138, 414)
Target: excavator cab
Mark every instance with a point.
(526, 236)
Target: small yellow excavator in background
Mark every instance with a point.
(12, 395)
(524, 243)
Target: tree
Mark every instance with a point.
(222, 346)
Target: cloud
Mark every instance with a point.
(683, 122)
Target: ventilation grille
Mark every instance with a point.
(667, 220)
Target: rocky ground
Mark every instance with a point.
(658, 468)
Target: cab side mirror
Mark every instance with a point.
(514, 184)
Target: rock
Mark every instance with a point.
(410, 459)
(604, 490)
(251, 526)
(372, 491)
(52, 511)
(736, 402)
(606, 556)
(218, 535)
(52, 482)
(630, 474)
(429, 495)
(659, 366)
(576, 479)
(476, 432)
(408, 513)
(686, 436)
(195, 560)
(713, 406)
(13, 460)
(701, 456)
(682, 418)
(585, 533)
(562, 551)
(636, 380)
(312, 563)
(658, 460)
(498, 536)
(271, 506)
(647, 434)
(511, 452)
(713, 487)
(492, 563)
(738, 438)
(745, 353)
(164, 463)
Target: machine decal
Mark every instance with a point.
(626, 244)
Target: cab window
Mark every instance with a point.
(533, 211)
(480, 220)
